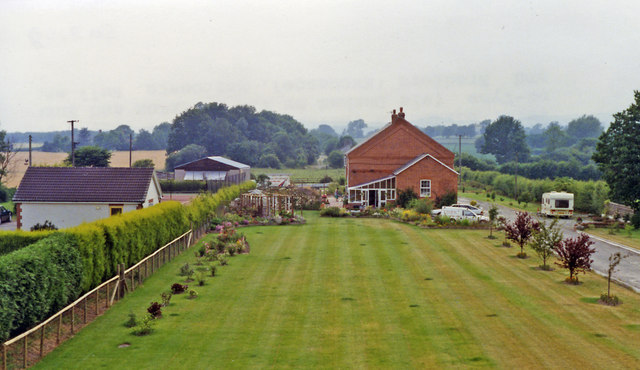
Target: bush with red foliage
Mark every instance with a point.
(521, 230)
(575, 255)
(155, 310)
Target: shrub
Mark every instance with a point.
(405, 196)
(212, 270)
(47, 225)
(610, 300)
(200, 278)
(332, 212)
(131, 322)
(166, 298)
(424, 206)
(186, 270)
(155, 310)
(144, 327)
(449, 198)
(193, 294)
(178, 288)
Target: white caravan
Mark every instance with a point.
(557, 204)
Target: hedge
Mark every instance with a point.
(589, 196)
(13, 240)
(177, 186)
(38, 280)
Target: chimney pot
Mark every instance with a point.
(401, 114)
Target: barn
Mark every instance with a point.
(214, 168)
(69, 196)
(398, 157)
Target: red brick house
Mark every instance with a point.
(397, 157)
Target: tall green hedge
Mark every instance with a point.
(186, 186)
(589, 196)
(13, 240)
(38, 280)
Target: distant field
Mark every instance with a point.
(118, 159)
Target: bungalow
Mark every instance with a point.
(213, 168)
(399, 156)
(69, 196)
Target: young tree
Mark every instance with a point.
(617, 154)
(614, 261)
(545, 240)
(575, 255)
(493, 215)
(336, 159)
(90, 156)
(521, 230)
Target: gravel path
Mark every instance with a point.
(628, 271)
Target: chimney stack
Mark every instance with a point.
(401, 114)
(393, 116)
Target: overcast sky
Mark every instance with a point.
(140, 63)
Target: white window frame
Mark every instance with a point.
(425, 191)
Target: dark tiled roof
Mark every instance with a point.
(84, 184)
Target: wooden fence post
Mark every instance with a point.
(97, 300)
(42, 341)
(73, 314)
(4, 356)
(106, 304)
(85, 311)
(59, 329)
(24, 360)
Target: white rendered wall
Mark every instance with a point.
(64, 215)
(153, 197)
(205, 175)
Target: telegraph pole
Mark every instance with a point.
(516, 182)
(130, 148)
(460, 157)
(30, 161)
(73, 144)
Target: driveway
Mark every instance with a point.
(627, 272)
(8, 225)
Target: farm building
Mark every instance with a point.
(397, 157)
(69, 196)
(214, 168)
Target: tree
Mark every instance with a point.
(574, 254)
(336, 159)
(545, 240)
(493, 216)
(187, 154)
(555, 137)
(617, 154)
(60, 143)
(7, 156)
(521, 230)
(505, 138)
(355, 128)
(90, 156)
(144, 141)
(269, 160)
(84, 137)
(614, 261)
(143, 163)
(583, 127)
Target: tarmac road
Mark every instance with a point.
(627, 272)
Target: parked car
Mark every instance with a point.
(474, 209)
(461, 213)
(5, 215)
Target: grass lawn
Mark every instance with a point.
(507, 202)
(349, 293)
(621, 237)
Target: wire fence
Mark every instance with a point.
(29, 347)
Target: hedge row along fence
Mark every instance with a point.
(27, 348)
(13, 240)
(41, 278)
(177, 186)
(589, 196)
